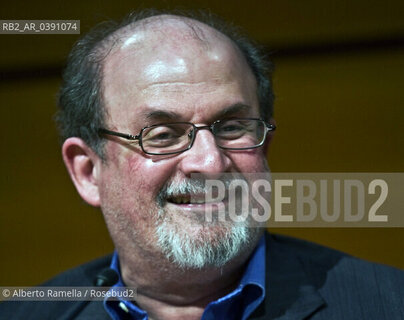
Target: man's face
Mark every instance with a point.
(158, 77)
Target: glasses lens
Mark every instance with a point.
(167, 138)
(239, 133)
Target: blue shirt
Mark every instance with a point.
(238, 304)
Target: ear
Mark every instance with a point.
(269, 138)
(82, 164)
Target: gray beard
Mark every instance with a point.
(188, 252)
(212, 244)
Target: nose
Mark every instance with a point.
(205, 157)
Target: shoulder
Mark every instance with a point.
(82, 275)
(345, 283)
(321, 257)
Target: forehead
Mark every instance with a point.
(167, 62)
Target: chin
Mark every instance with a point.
(194, 245)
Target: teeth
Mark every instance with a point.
(180, 199)
(186, 199)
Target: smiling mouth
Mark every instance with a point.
(189, 199)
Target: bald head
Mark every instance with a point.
(168, 62)
(166, 26)
(169, 35)
(174, 52)
(133, 45)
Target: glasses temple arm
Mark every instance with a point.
(118, 134)
(270, 127)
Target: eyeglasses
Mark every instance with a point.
(177, 137)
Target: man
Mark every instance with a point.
(149, 110)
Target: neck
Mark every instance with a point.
(166, 291)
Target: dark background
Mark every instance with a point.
(339, 108)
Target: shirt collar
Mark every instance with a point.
(251, 288)
(255, 270)
(248, 295)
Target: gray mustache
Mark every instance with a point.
(187, 187)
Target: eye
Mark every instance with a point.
(232, 129)
(163, 135)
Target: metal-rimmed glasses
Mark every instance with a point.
(177, 137)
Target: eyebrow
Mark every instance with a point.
(160, 114)
(229, 111)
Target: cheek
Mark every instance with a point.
(136, 174)
(251, 161)
(127, 198)
(148, 175)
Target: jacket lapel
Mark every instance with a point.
(290, 292)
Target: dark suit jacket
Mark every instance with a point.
(303, 281)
